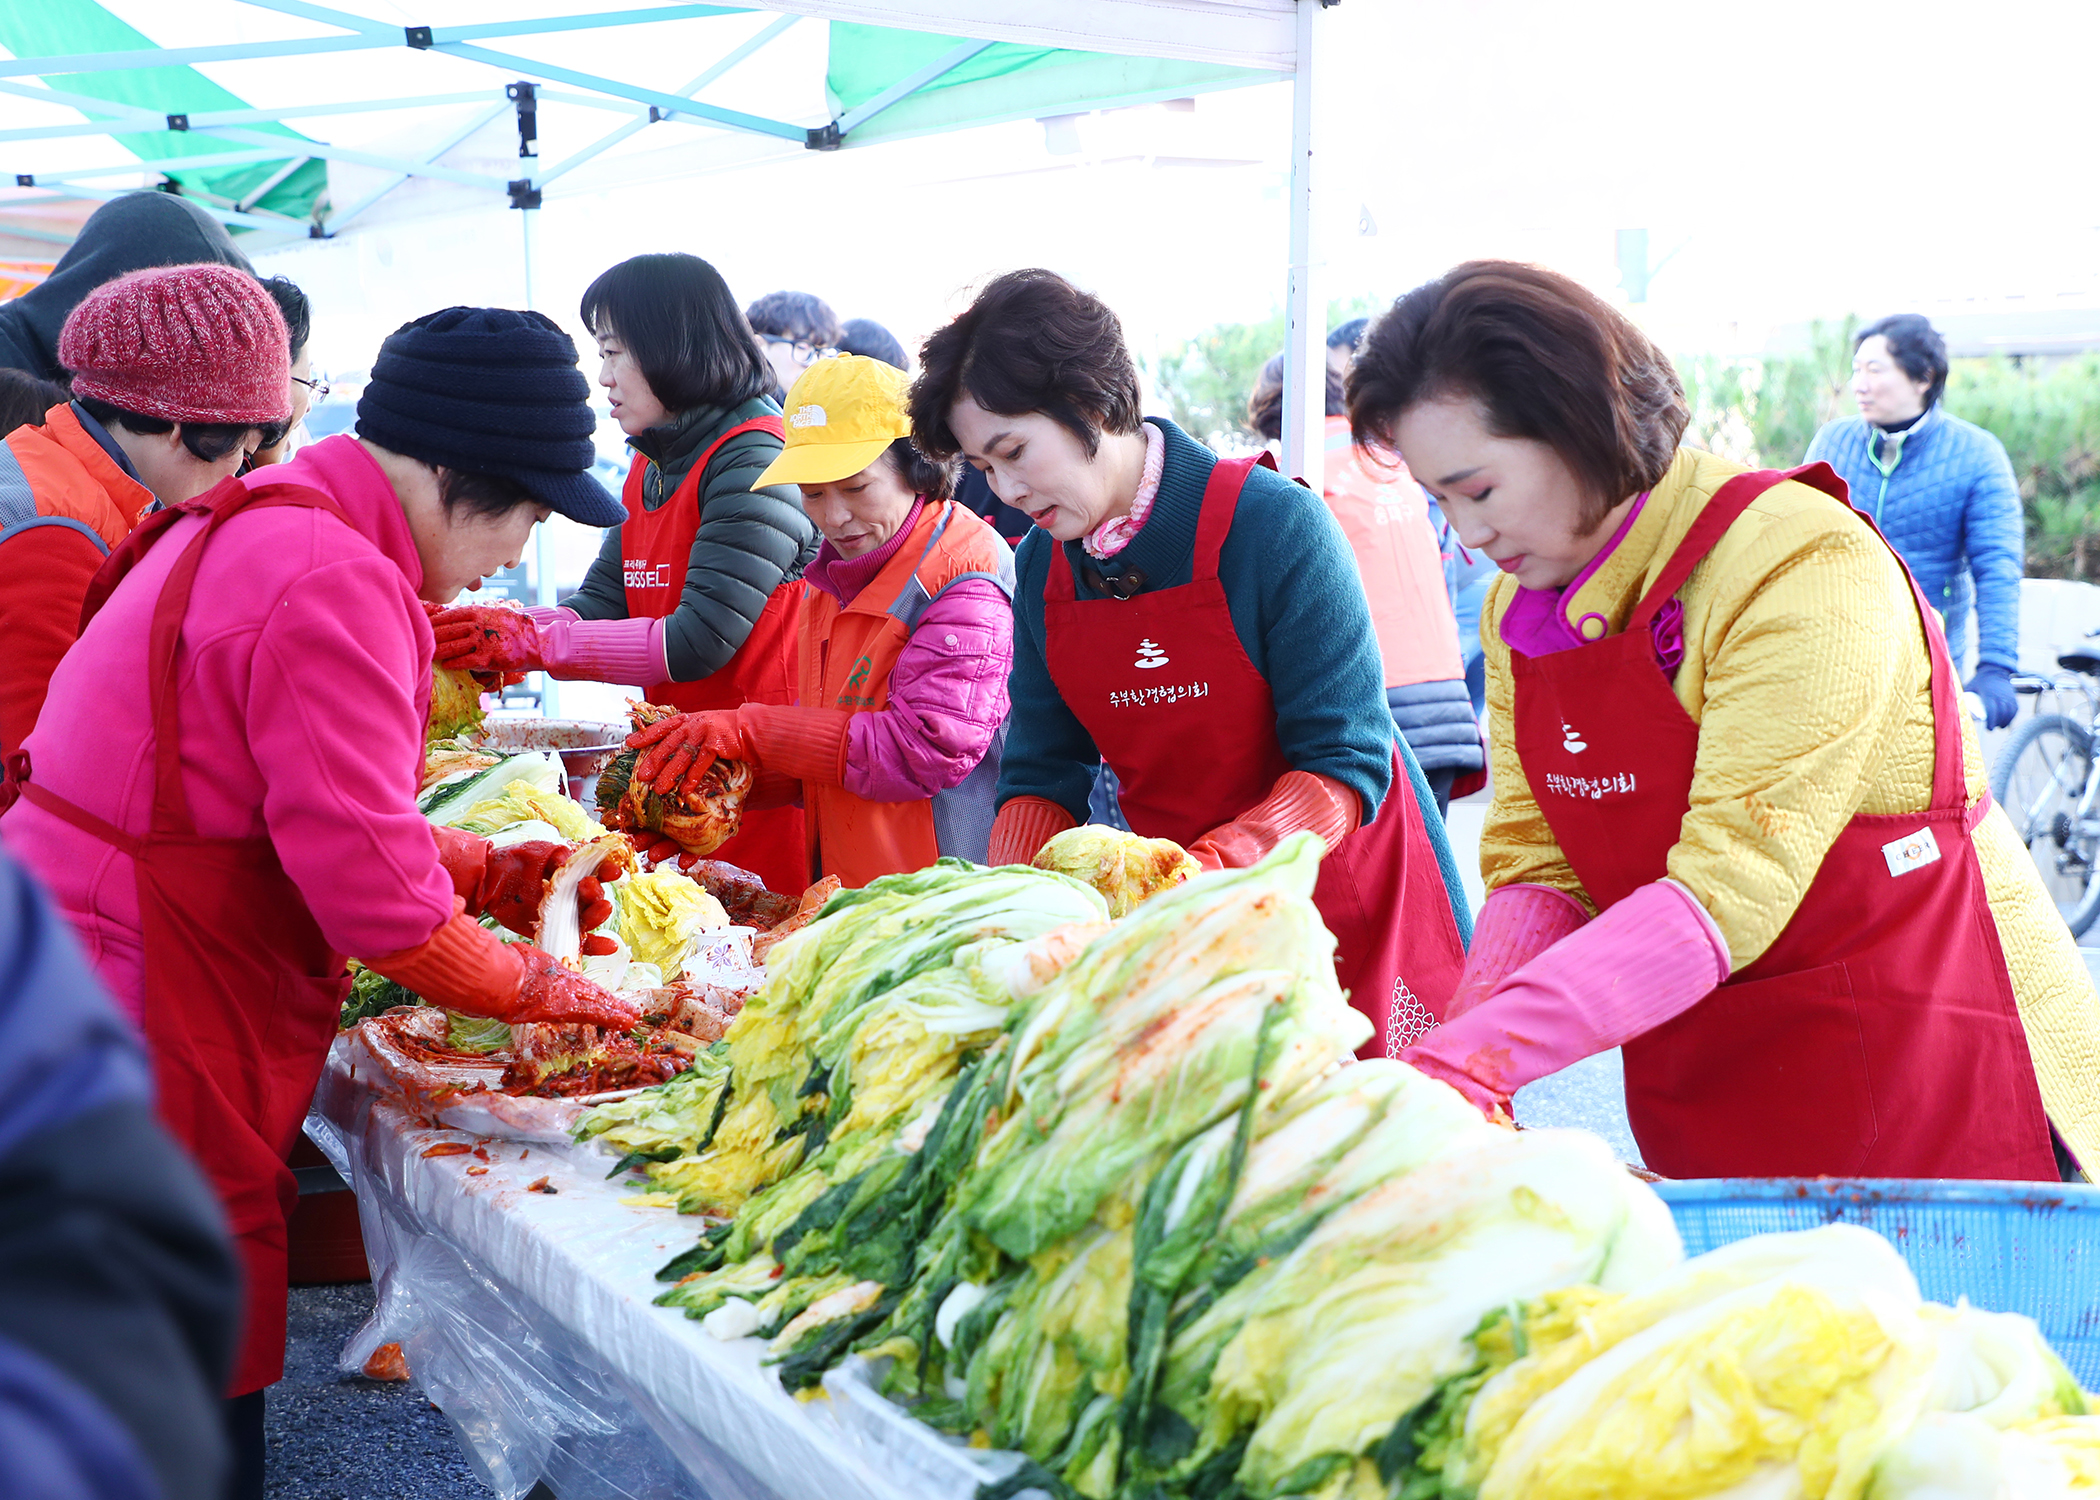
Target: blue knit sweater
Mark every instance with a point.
(1291, 584)
(1951, 509)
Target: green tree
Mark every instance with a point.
(1206, 380)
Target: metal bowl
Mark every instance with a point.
(586, 746)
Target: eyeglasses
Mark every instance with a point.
(319, 388)
(803, 349)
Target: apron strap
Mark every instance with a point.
(80, 818)
(171, 803)
(1727, 504)
(1221, 500)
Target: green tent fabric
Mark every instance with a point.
(58, 28)
(1004, 82)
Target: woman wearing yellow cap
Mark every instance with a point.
(905, 641)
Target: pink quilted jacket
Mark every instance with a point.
(947, 691)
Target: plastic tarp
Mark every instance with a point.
(526, 1317)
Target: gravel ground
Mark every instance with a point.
(337, 1438)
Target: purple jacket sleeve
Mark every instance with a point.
(947, 699)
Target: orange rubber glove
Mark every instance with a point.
(808, 744)
(1023, 826)
(463, 967)
(1299, 801)
(509, 884)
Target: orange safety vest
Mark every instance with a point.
(1385, 515)
(64, 503)
(844, 661)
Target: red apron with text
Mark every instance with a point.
(1164, 686)
(1878, 1035)
(242, 992)
(655, 550)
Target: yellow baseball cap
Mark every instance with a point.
(841, 414)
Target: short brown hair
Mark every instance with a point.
(1031, 342)
(932, 478)
(1549, 360)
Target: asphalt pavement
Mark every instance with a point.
(345, 1438)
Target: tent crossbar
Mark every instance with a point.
(482, 121)
(131, 125)
(713, 114)
(905, 87)
(41, 236)
(224, 215)
(721, 66)
(176, 57)
(358, 158)
(269, 184)
(365, 35)
(165, 164)
(141, 119)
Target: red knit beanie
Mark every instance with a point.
(201, 343)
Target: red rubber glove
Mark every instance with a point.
(1023, 826)
(510, 884)
(482, 638)
(463, 967)
(1300, 801)
(678, 751)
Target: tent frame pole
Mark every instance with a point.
(1305, 333)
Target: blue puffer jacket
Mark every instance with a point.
(1951, 509)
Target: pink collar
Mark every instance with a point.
(1535, 623)
(1111, 537)
(340, 468)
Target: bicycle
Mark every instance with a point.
(2044, 780)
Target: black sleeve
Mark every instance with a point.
(749, 542)
(114, 1268)
(603, 595)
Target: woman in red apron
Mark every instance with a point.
(1200, 626)
(221, 789)
(696, 592)
(1739, 826)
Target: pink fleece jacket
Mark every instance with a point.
(304, 675)
(947, 691)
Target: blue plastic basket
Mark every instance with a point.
(2024, 1247)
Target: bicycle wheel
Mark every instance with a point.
(2039, 778)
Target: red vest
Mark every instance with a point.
(655, 550)
(845, 660)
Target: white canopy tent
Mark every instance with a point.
(703, 89)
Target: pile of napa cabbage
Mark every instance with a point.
(1105, 1195)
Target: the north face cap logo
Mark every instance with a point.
(809, 416)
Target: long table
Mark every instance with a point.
(526, 1317)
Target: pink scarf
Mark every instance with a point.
(1111, 537)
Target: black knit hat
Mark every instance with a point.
(490, 390)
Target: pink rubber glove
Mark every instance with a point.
(1651, 957)
(623, 651)
(1516, 924)
(490, 638)
(1300, 800)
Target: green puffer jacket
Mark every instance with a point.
(749, 540)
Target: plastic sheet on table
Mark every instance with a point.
(527, 1317)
